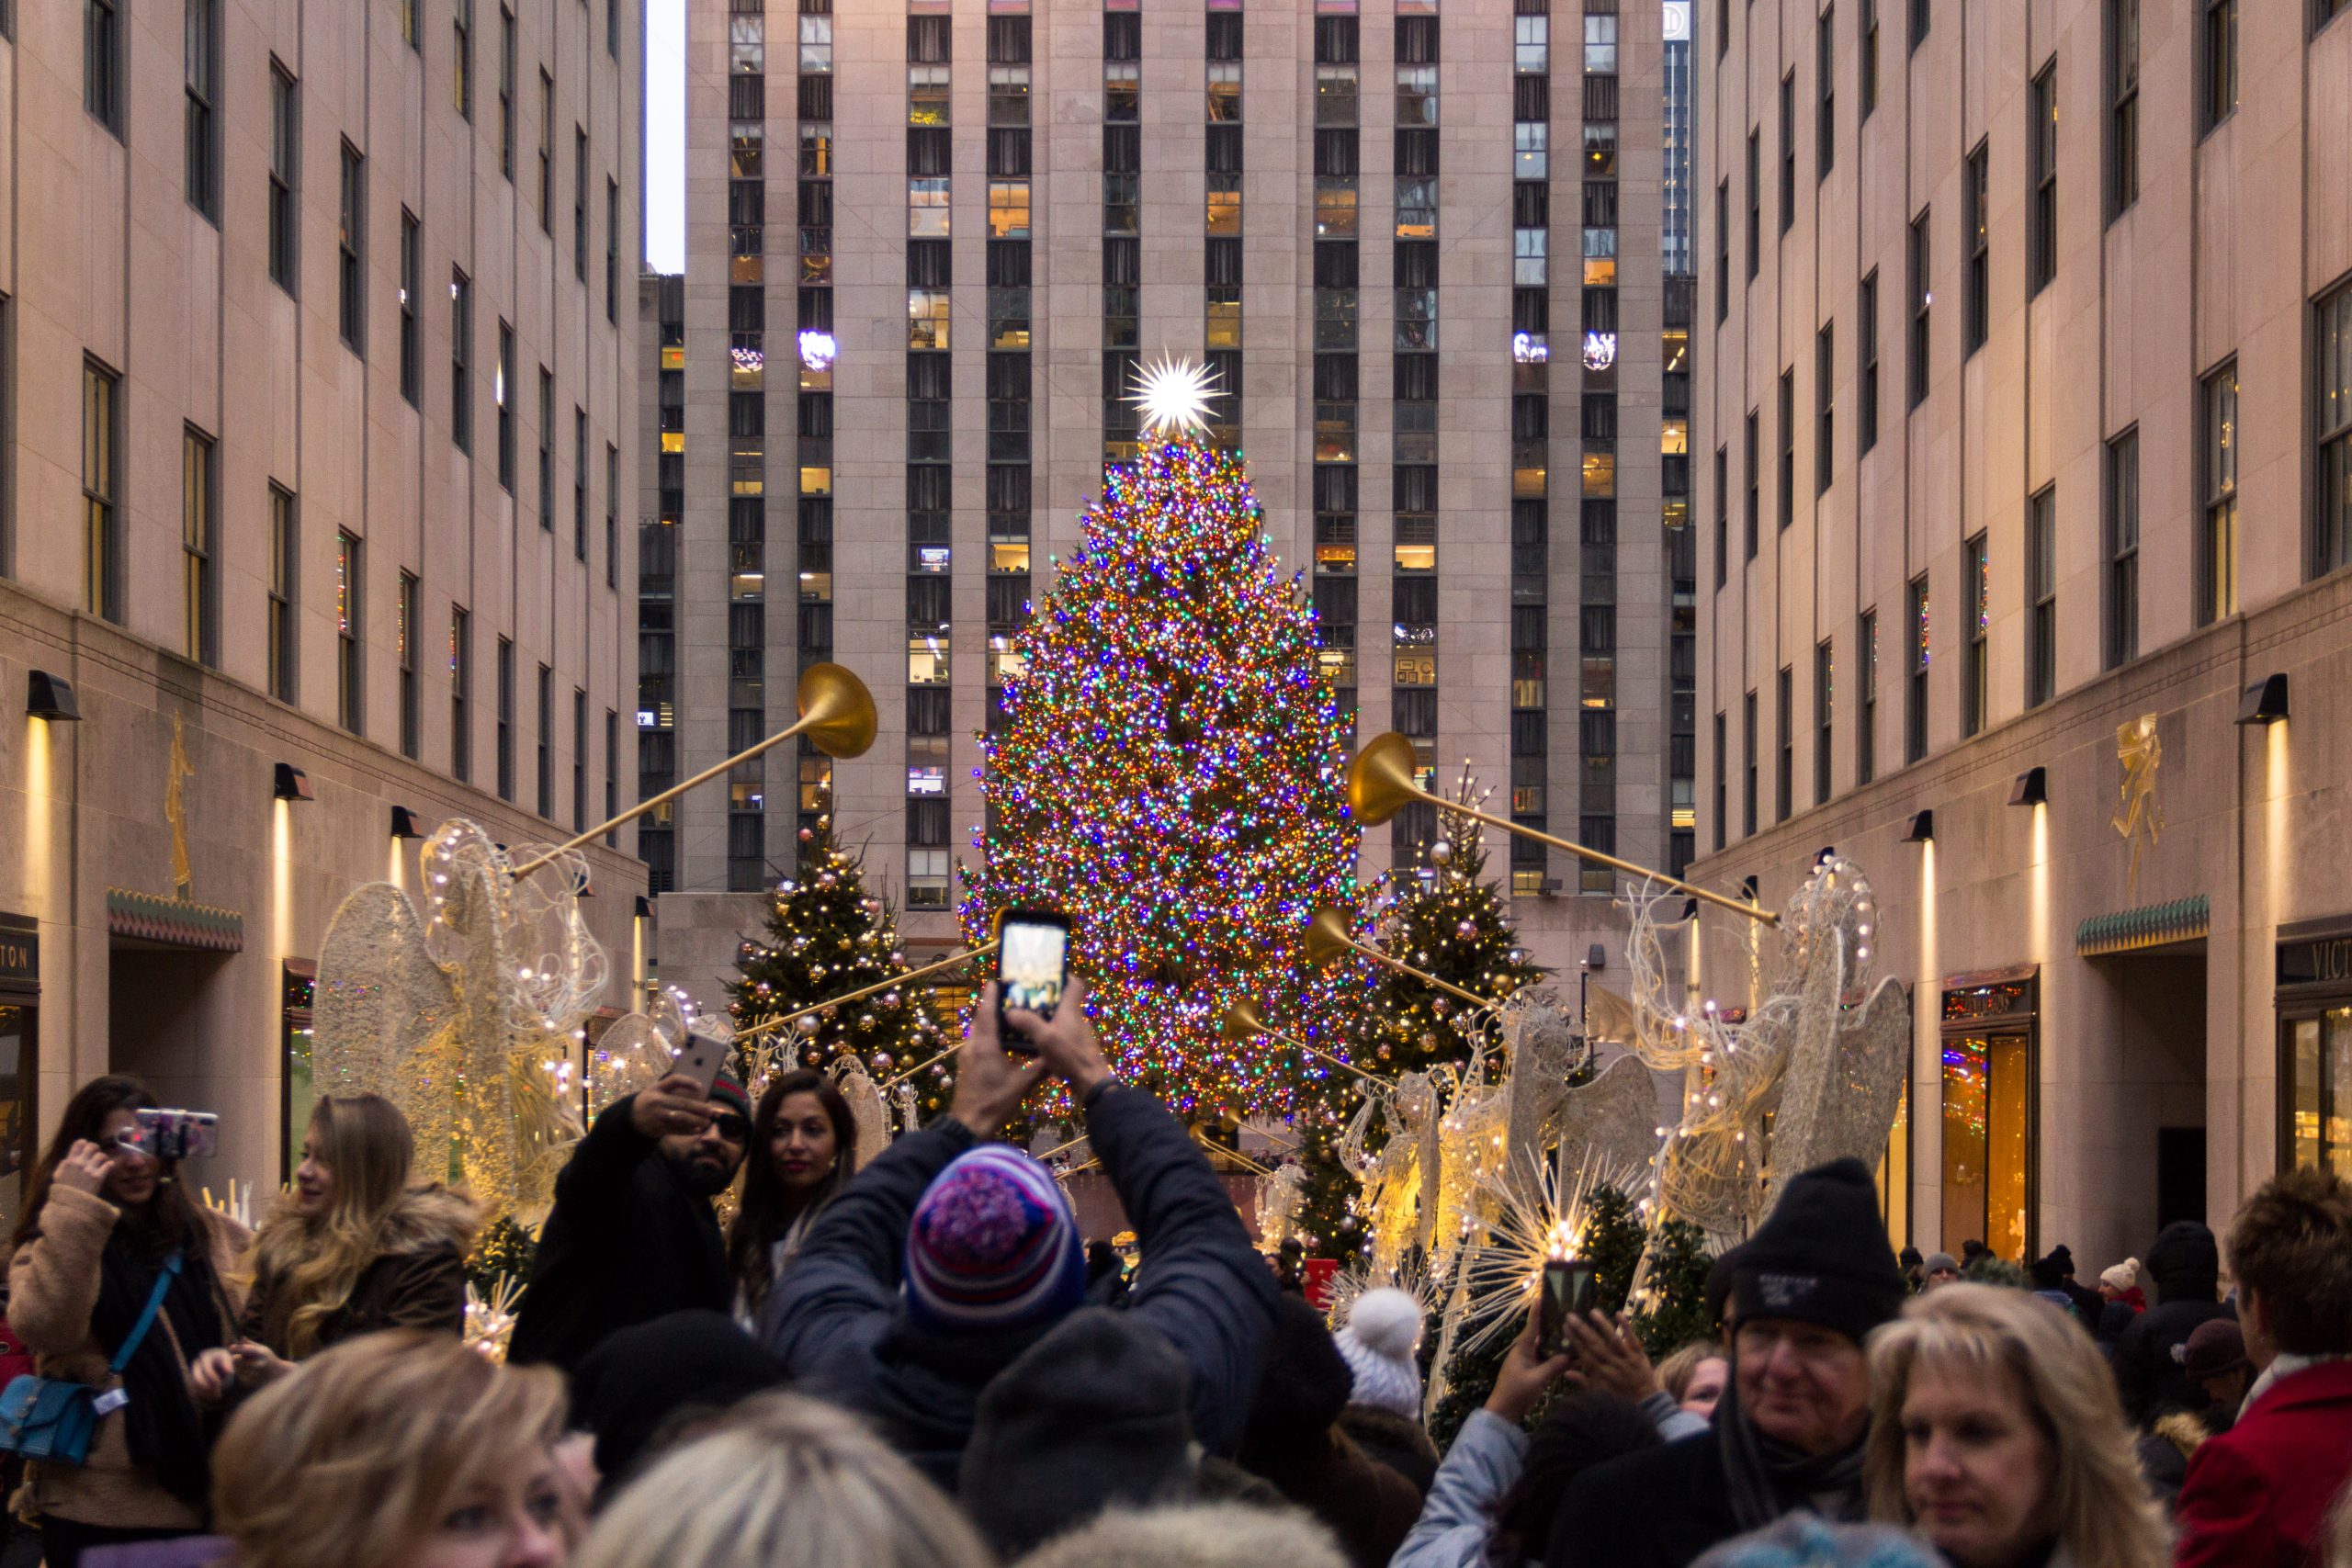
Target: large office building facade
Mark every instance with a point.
(318, 388)
(2025, 486)
(1418, 242)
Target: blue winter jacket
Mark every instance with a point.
(837, 1322)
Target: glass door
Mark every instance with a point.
(1987, 1139)
(2319, 1089)
(19, 1063)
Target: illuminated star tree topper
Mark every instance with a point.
(1174, 396)
(1169, 774)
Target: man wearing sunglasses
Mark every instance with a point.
(632, 1235)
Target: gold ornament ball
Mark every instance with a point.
(1441, 853)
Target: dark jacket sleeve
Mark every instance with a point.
(583, 1243)
(2135, 1384)
(842, 1287)
(1201, 1282)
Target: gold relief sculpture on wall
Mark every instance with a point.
(2139, 818)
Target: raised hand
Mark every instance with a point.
(989, 1085)
(1067, 1041)
(84, 1168)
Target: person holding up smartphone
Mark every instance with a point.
(633, 1236)
(948, 1259)
(103, 1224)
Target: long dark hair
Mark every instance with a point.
(767, 1210)
(170, 1221)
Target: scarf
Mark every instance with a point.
(166, 1430)
(1768, 1478)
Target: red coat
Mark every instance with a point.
(2258, 1496)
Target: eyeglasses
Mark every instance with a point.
(731, 1127)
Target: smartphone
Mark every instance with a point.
(700, 1059)
(1568, 1293)
(1031, 967)
(174, 1134)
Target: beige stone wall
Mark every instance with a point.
(102, 256)
(2234, 234)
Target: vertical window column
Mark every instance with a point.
(1530, 405)
(1597, 607)
(1681, 571)
(1338, 83)
(1414, 472)
(657, 577)
(815, 348)
(1221, 282)
(930, 551)
(1122, 222)
(1009, 420)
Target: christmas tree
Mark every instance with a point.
(827, 936)
(1444, 919)
(1170, 777)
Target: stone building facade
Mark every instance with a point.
(2023, 490)
(315, 384)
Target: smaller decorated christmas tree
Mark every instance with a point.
(828, 936)
(1445, 918)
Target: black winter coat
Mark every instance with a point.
(1660, 1507)
(2186, 1267)
(837, 1322)
(625, 1244)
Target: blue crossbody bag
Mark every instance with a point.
(54, 1419)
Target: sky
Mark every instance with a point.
(665, 135)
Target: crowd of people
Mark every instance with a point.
(921, 1364)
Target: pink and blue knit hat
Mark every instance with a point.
(992, 1245)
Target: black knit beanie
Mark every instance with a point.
(1820, 1256)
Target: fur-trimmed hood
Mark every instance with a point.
(1210, 1535)
(429, 1219)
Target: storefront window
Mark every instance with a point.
(1988, 1117)
(296, 1095)
(2319, 1089)
(2314, 992)
(19, 1060)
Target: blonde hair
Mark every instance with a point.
(782, 1482)
(2103, 1517)
(313, 1261)
(1201, 1534)
(1674, 1373)
(355, 1457)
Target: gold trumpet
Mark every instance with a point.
(1243, 1020)
(836, 712)
(769, 1026)
(1379, 785)
(1328, 937)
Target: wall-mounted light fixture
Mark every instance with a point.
(644, 907)
(2265, 702)
(1747, 888)
(404, 824)
(2032, 788)
(1824, 854)
(1922, 829)
(291, 783)
(49, 696)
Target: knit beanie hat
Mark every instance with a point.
(1091, 1414)
(1377, 1343)
(1940, 1262)
(2124, 1276)
(726, 1091)
(1822, 1256)
(2049, 1272)
(992, 1245)
(1804, 1542)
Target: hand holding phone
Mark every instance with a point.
(170, 1135)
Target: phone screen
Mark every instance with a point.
(1033, 964)
(174, 1134)
(1568, 1293)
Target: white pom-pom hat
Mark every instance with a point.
(1383, 1330)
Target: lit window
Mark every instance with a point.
(1335, 94)
(1599, 474)
(1415, 669)
(1008, 209)
(927, 210)
(927, 318)
(1335, 206)
(926, 661)
(1416, 95)
(1531, 45)
(926, 95)
(1225, 317)
(1530, 142)
(1224, 92)
(1225, 207)
(1527, 251)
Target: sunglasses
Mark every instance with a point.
(731, 1127)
